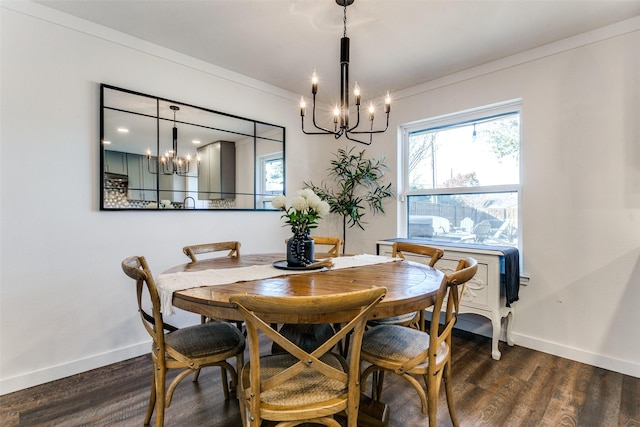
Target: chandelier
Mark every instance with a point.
(341, 111)
(170, 163)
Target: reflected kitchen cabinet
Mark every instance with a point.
(173, 188)
(115, 162)
(217, 171)
(142, 183)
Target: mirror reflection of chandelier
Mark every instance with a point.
(170, 163)
(341, 111)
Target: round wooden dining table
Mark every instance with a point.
(410, 287)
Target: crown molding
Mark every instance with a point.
(584, 39)
(95, 30)
(101, 32)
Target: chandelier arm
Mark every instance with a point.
(323, 131)
(346, 134)
(171, 164)
(186, 175)
(164, 168)
(157, 172)
(372, 131)
(369, 132)
(149, 165)
(313, 117)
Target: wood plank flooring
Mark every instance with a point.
(524, 388)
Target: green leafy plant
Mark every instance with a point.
(358, 183)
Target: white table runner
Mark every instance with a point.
(169, 283)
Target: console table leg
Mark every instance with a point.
(496, 325)
(509, 327)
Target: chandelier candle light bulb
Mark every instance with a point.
(302, 106)
(314, 83)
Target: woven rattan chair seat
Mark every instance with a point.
(398, 343)
(205, 339)
(307, 388)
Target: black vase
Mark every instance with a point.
(300, 250)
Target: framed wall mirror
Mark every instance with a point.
(160, 154)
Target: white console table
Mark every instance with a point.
(483, 295)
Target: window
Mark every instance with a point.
(271, 178)
(462, 177)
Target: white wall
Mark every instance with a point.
(66, 307)
(580, 160)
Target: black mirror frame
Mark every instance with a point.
(242, 122)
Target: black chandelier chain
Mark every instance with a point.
(344, 20)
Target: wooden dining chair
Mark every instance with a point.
(298, 386)
(193, 250)
(335, 244)
(399, 249)
(410, 352)
(188, 349)
(207, 248)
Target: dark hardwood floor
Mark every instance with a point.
(524, 388)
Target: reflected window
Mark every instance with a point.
(271, 178)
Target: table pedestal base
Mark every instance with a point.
(372, 413)
(307, 337)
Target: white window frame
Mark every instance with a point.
(262, 197)
(461, 117)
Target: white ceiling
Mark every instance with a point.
(395, 44)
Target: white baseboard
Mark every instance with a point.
(45, 375)
(471, 323)
(481, 326)
(475, 324)
(622, 366)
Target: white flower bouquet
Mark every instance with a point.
(304, 212)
